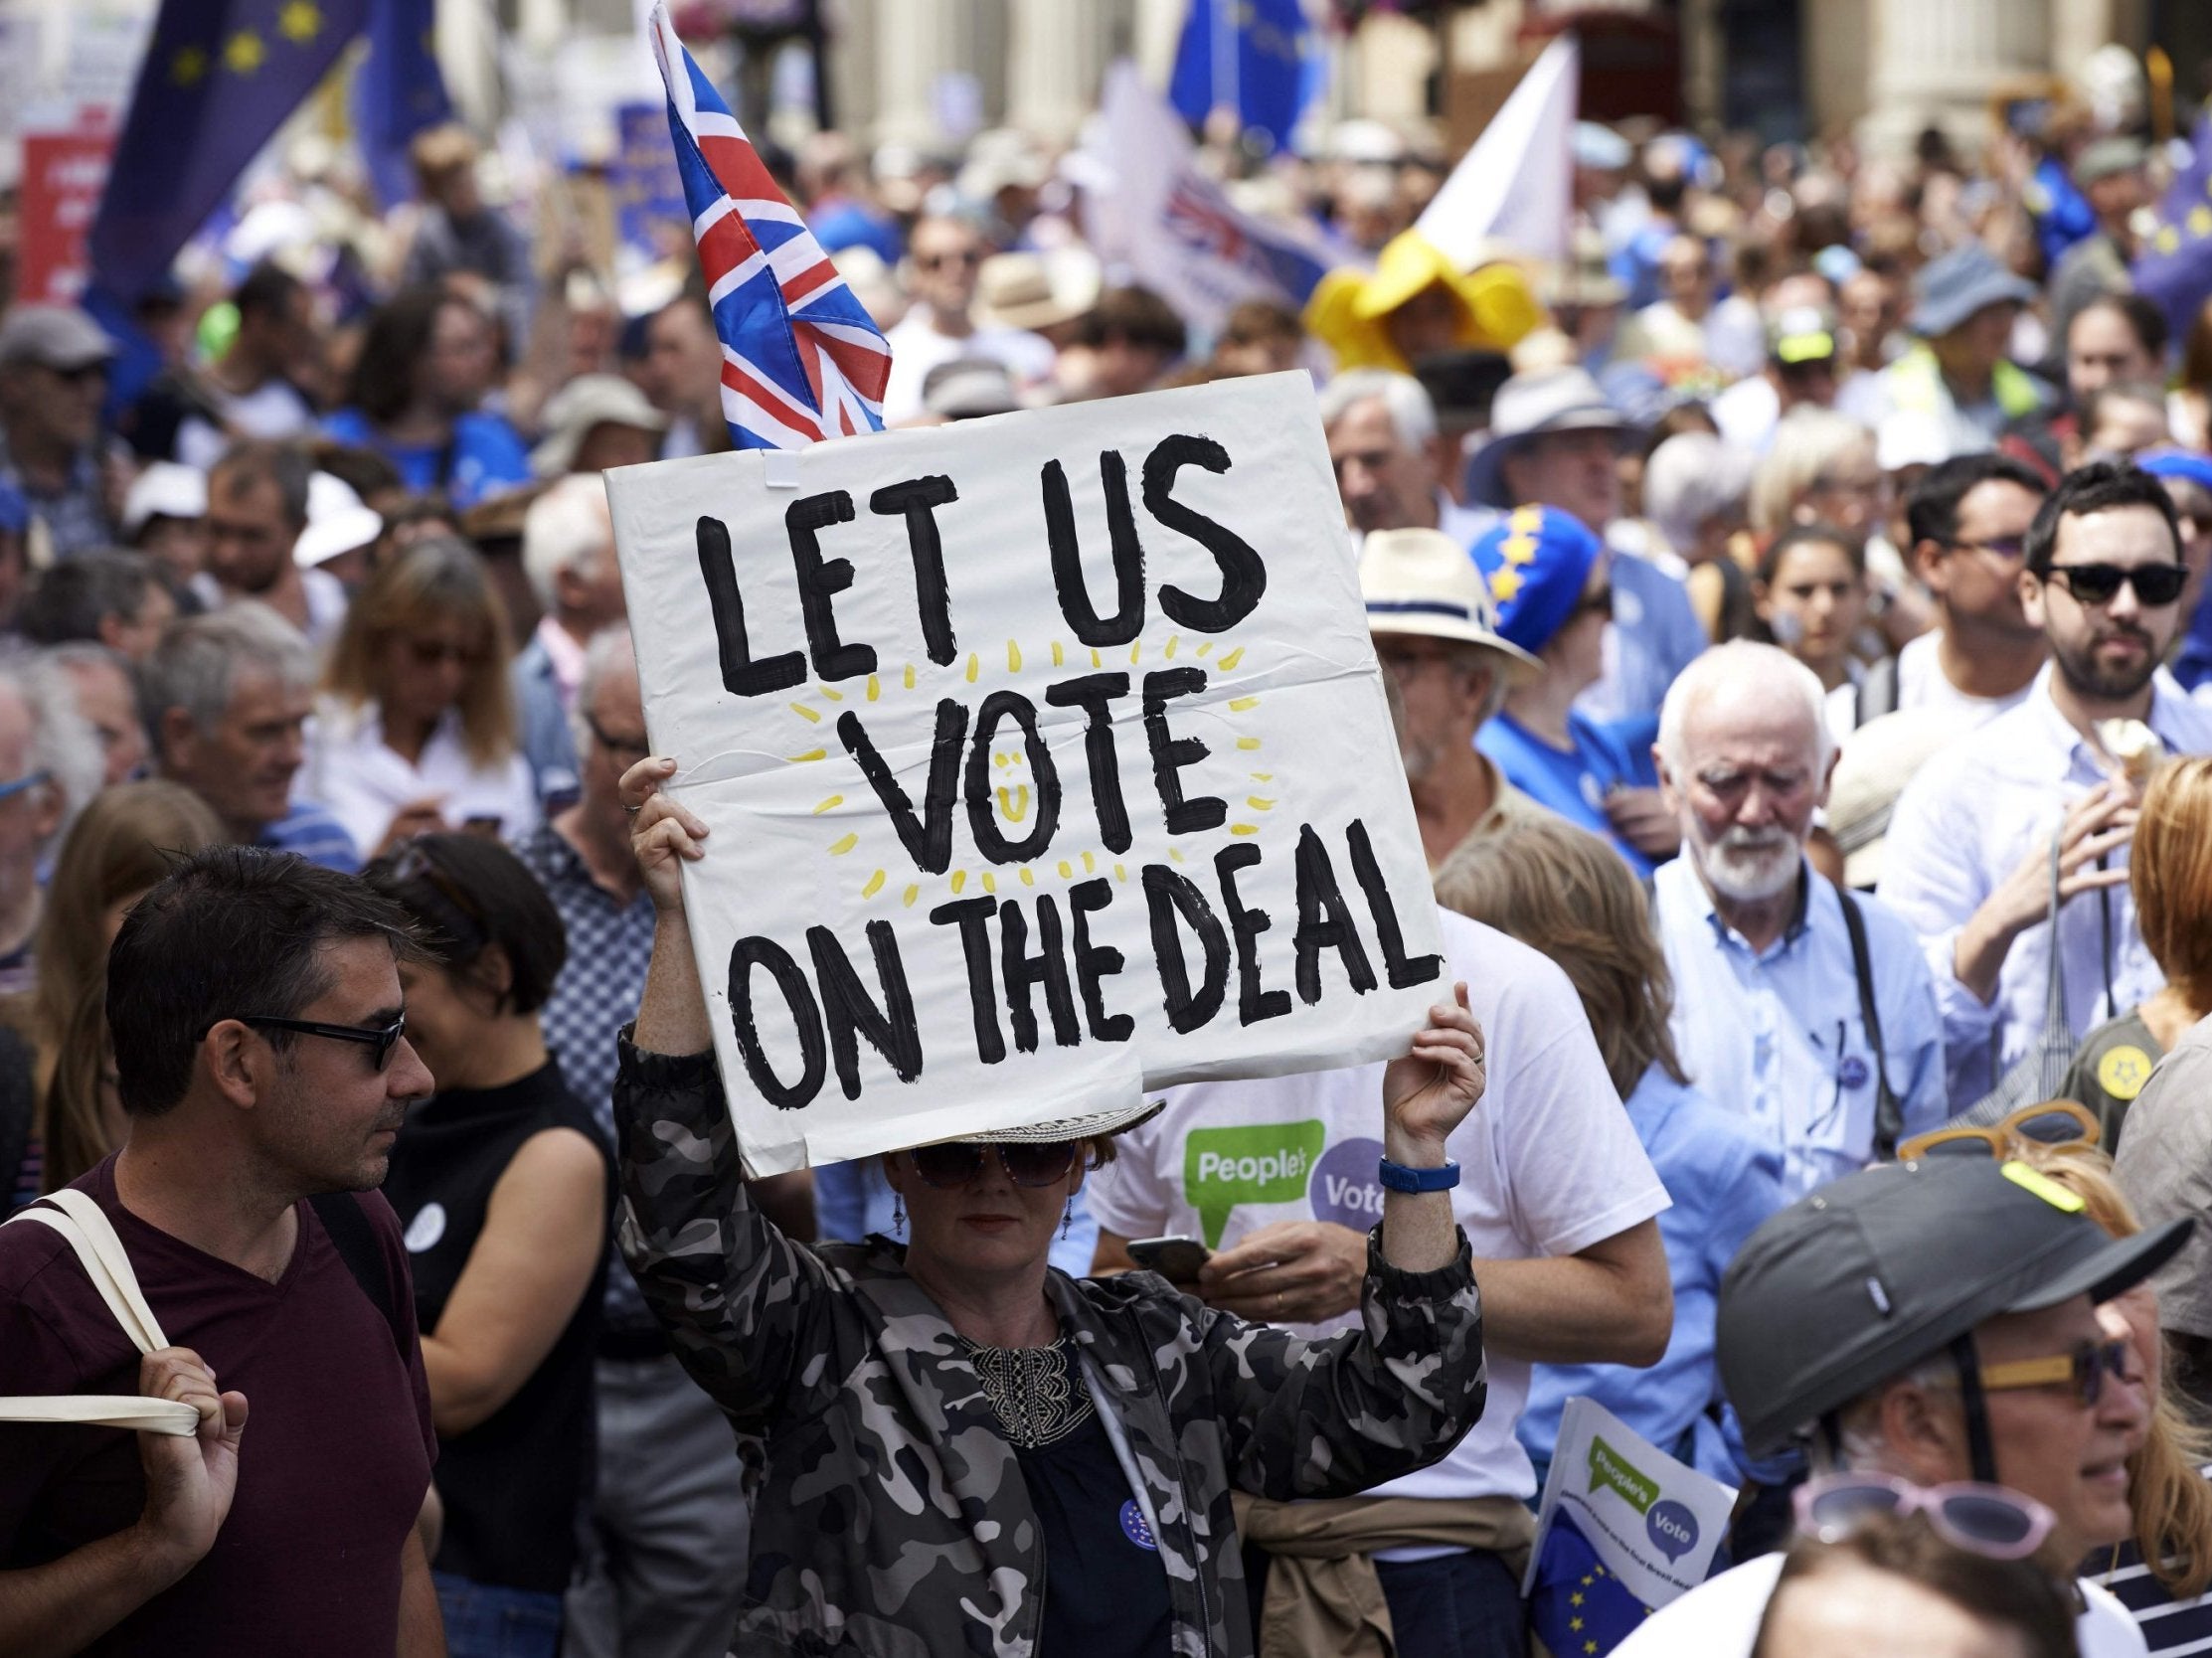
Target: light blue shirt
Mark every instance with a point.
(1779, 1038)
(1654, 635)
(854, 1199)
(1965, 821)
(1723, 1182)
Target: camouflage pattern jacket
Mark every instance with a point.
(890, 1516)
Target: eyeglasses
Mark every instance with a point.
(2083, 1370)
(15, 786)
(431, 653)
(2054, 1122)
(1986, 1520)
(381, 1039)
(2155, 585)
(1026, 1162)
(630, 751)
(2004, 547)
(1598, 602)
(414, 863)
(83, 373)
(938, 262)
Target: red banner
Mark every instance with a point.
(65, 169)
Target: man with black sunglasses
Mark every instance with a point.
(1968, 855)
(53, 379)
(1935, 1322)
(264, 1071)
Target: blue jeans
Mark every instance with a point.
(483, 1620)
(1464, 1606)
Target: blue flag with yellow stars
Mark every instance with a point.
(400, 92)
(2175, 268)
(218, 80)
(1576, 1607)
(1255, 57)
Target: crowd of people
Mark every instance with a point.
(1790, 609)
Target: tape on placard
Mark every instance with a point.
(779, 468)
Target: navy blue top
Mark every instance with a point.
(1106, 1592)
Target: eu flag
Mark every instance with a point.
(1576, 1607)
(2175, 268)
(217, 78)
(399, 91)
(1250, 56)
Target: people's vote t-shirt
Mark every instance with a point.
(1549, 1164)
(333, 1462)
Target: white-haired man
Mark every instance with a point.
(1388, 458)
(567, 553)
(1804, 1007)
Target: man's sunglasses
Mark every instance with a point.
(2084, 1370)
(1986, 1520)
(1026, 1162)
(2155, 585)
(2004, 547)
(2054, 1122)
(381, 1040)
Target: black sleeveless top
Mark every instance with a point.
(512, 1484)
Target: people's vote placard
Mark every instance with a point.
(1046, 759)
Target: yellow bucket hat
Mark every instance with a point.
(1351, 310)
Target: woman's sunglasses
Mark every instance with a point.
(2083, 1371)
(1986, 1520)
(1026, 1162)
(2054, 1122)
(2155, 585)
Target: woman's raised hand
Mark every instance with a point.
(664, 835)
(1429, 1092)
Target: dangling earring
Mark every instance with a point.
(1067, 1218)
(897, 1211)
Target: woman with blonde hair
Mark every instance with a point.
(416, 731)
(1823, 469)
(2169, 871)
(1567, 894)
(2163, 1573)
(119, 848)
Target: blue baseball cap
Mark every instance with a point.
(1536, 561)
(2186, 464)
(15, 510)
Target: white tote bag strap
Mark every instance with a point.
(83, 1222)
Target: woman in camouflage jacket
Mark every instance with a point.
(891, 1512)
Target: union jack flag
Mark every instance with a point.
(801, 358)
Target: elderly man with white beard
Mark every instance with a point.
(1807, 1009)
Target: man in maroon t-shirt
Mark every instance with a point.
(255, 1012)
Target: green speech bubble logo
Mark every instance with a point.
(1265, 1163)
(1606, 1468)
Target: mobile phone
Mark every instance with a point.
(1174, 1257)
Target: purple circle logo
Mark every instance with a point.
(1852, 1073)
(1136, 1530)
(1343, 1187)
(1672, 1529)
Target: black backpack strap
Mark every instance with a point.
(356, 1243)
(1888, 1113)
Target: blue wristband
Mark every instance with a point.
(1399, 1178)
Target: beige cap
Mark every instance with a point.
(1878, 761)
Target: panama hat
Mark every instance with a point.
(1422, 582)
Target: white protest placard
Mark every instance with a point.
(1046, 759)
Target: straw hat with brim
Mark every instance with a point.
(1878, 761)
(1070, 1128)
(1883, 1270)
(1423, 582)
(337, 522)
(1037, 290)
(1965, 280)
(1529, 405)
(589, 400)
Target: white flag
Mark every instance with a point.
(1516, 184)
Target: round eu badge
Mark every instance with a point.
(1853, 1072)
(1134, 1527)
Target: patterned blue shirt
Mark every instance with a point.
(597, 994)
